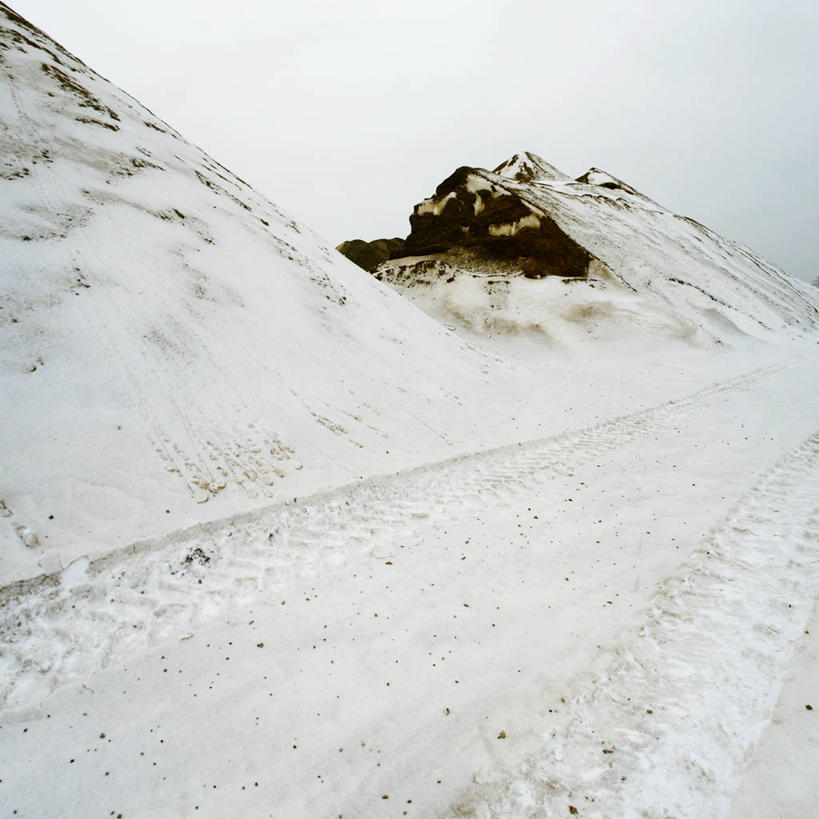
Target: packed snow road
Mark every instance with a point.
(687, 695)
(524, 630)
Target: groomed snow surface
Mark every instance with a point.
(599, 621)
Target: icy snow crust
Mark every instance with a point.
(433, 576)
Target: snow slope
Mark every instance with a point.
(170, 338)
(635, 267)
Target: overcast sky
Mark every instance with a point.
(348, 113)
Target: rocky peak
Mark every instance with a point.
(489, 216)
(529, 167)
(603, 179)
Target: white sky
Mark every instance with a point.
(347, 114)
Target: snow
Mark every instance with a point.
(564, 317)
(441, 595)
(598, 177)
(434, 206)
(530, 168)
(175, 348)
(403, 570)
(782, 771)
(477, 184)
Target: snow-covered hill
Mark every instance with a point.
(526, 248)
(168, 336)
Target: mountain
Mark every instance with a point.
(529, 167)
(525, 248)
(174, 347)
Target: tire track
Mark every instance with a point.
(667, 728)
(67, 626)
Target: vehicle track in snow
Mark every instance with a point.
(666, 729)
(65, 627)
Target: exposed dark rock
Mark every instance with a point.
(368, 255)
(474, 209)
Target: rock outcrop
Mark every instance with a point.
(368, 255)
(476, 209)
